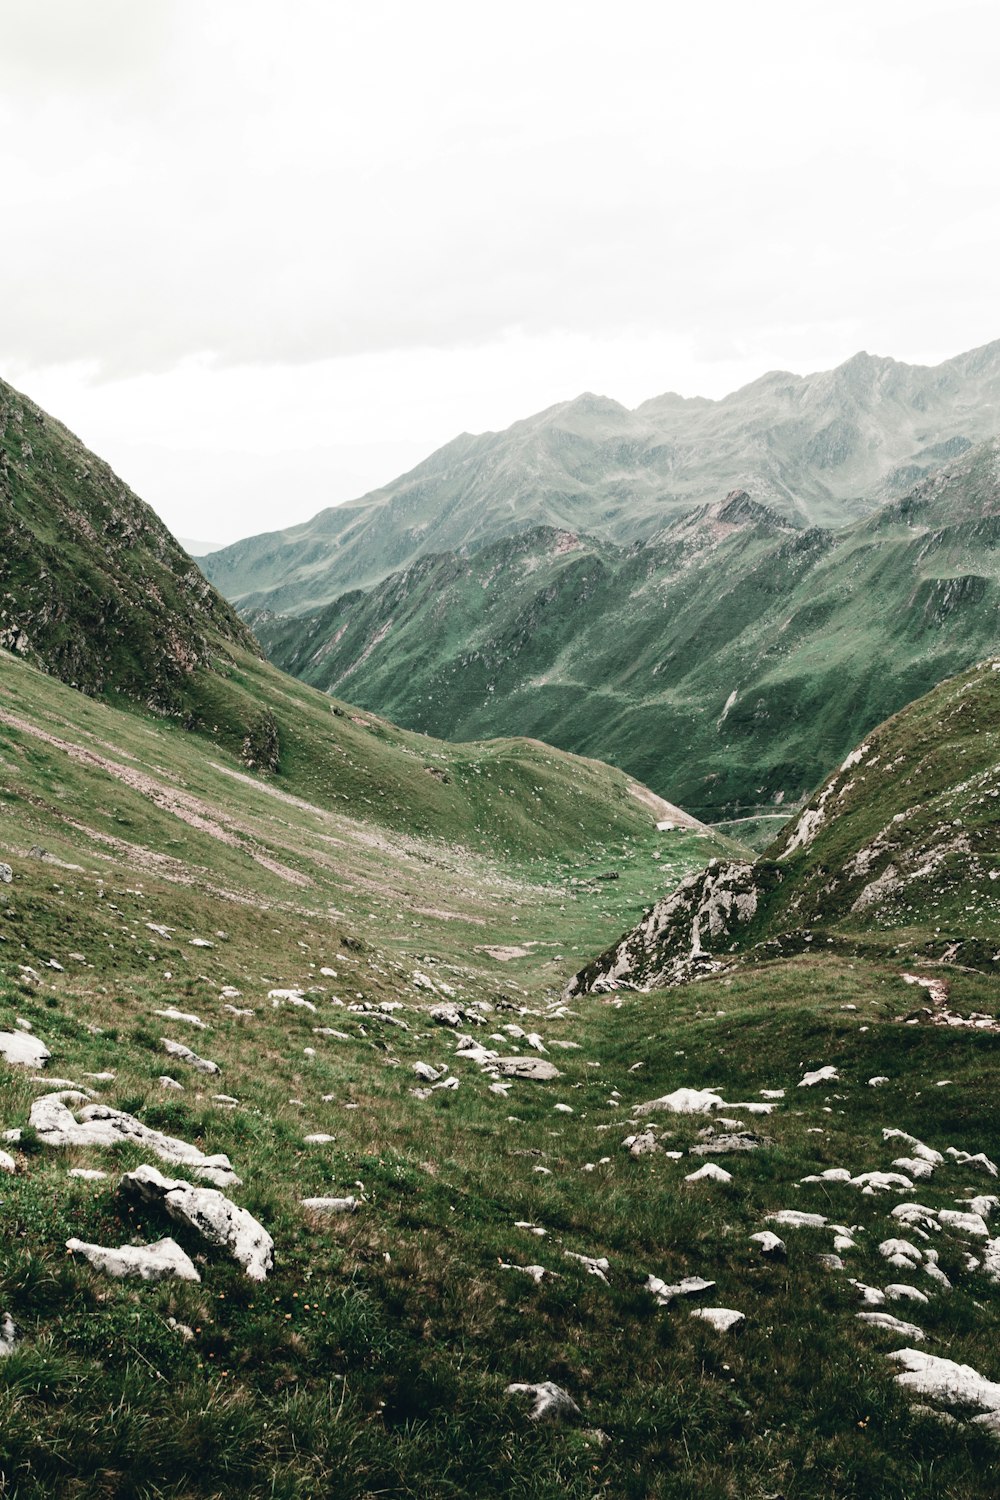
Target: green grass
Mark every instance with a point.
(374, 1359)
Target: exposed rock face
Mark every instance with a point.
(909, 812)
(145, 1262)
(221, 1222)
(683, 936)
(100, 1125)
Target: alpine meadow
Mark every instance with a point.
(499, 974)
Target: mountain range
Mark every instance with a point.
(727, 662)
(333, 1160)
(818, 450)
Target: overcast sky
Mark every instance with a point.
(262, 257)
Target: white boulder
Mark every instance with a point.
(209, 1212)
(144, 1262)
(550, 1403)
(722, 1319)
(100, 1125)
(184, 1054)
(23, 1050)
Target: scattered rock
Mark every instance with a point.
(144, 1262)
(209, 1212)
(536, 1068)
(770, 1245)
(981, 1162)
(100, 1125)
(330, 1205)
(6, 876)
(426, 1072)
(901, 1291)
(829, 1074)
(166, 1082)
(728, 1142)
(709, 1172)
(7, 1162)
(550, 1402)
(22, 1050)
(945, 1381)
(446, 1015)
(881, 1182)
(892, 1325)
(8, 1333)
(793, 1218)
(901, 1254)
(683, 1102)
(318, 1139)
(688, 1286)
(87, 1174)
(184, 1054)
(722, 1319)
(594, 1265)
(640, 1145)
(170, 1014)
(537, 1273)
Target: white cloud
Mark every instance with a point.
(418, 219)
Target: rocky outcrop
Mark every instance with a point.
(23, 1050)
(682, 937)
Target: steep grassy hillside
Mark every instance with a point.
(898, 852)
(92, 585)
(819, 449)
(727, 663)
(160, 893)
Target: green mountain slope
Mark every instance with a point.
(494, 1231)
(898, 851)
(92, 585)
(727, 662)
(320, 961)
(819, 449)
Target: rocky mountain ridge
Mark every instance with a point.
(727, 661)
(818, 449)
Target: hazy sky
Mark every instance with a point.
(262, 256)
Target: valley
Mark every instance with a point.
(388, 1115)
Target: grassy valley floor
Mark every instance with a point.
(151, 873)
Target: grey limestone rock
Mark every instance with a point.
(23, 1050)
(142, 1262)
(209, 1212)
(184, 1054)
(100, 1125)
(526, 1067)
(550, 1403)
